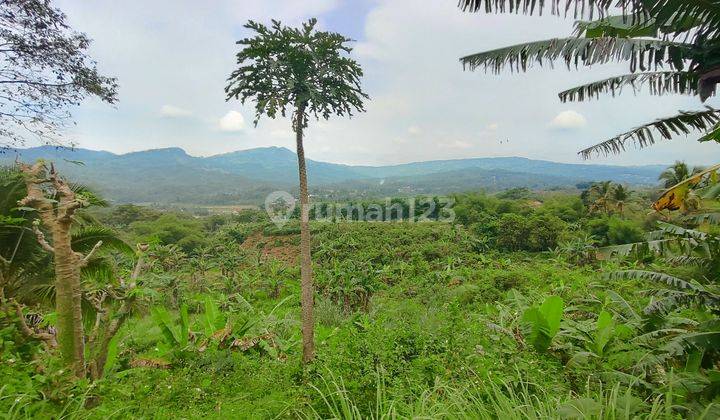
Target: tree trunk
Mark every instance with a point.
(306, 281)
(68, 299)
(57, 216)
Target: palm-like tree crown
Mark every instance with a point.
(677, 173)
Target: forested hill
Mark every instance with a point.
(171, 175)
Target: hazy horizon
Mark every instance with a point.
(585, 162)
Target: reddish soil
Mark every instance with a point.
(281, 248)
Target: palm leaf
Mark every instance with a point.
(688, 260)
(92, 198)
(711, 218)
(713, 135)
(664, 247)
(674, 15)
(665, 128)
(704, 14)
(675, 230)
(669, 303)
(642, 53)
(654, 277)
(706, 340)
(84, 239)
(658, 83)
(530, 7)
(626, 310)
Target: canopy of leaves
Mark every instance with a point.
(283, 67)
(45, 69)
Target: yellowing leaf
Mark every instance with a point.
(674, 197)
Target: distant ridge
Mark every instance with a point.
(171, 175)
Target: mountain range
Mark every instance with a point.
(172, 176)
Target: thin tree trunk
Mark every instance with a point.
(306, 280)
(68, 299)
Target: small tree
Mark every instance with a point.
(308, 73)
(677, 173)
(45, 69)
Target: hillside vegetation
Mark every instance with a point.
(248, 176)
(512, 308)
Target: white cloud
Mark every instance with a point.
(172, 111)
(568, 120)
(470, 106)
(232, 121)
(414, 130)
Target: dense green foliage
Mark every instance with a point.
(248, 176)
(508, 309)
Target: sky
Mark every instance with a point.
(172, 59)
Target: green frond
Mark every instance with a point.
(654, 277)
(687, 260)
(713, 135)
(644, 54)
(649, 134)
(672, 301)
(675, 230)
(705, 340)
(84, 239)
(626, 310)
(702, 15)
(623, 26)
(664, 247)
(92, 198)
(649, 339)
(711, 218)
(658, 83)
(712, 192)
(672, 16)
(99, 271)
(530, 7)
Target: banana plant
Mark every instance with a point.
(596, 339)
(542, 323)
(175, 333)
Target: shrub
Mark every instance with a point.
(512, 232)
(544, 231)
(538, 233)
(623, 232)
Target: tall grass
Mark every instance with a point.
(491, 400)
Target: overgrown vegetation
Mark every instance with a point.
(516, 307)
(521, 304)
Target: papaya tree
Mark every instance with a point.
(671, 46)
(308, 73)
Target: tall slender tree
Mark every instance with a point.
(671, 46)
(308, 73)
